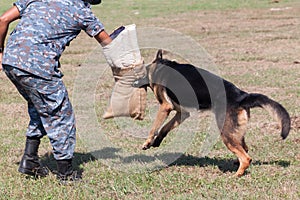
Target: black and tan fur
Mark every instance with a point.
(165, 77)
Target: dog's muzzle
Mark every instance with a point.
(142, 82)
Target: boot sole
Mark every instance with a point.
(30, 172)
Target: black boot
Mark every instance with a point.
(65, 173)
(30, 164)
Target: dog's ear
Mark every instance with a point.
(159, 54)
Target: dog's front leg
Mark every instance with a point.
(173, 123)
(163, 113)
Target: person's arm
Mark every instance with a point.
(103, 38)
(5, 19)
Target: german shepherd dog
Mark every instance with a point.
(180, 86)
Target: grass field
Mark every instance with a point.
(254, 44)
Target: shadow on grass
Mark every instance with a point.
(170, 159)
(225, 165)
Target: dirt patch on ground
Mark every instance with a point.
(244, 41)
(234, 38)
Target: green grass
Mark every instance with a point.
(274, 173)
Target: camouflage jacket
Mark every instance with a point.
(45, 28)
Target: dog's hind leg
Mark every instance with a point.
(162, 114)
(232, 135)
(173, 123)
(237, 162)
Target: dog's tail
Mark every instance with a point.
(273, 107)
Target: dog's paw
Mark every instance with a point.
(238, 174)
(146, 145)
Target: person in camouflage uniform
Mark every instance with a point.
(31, 62)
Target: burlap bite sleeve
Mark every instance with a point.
(123, 56)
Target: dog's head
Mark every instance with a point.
(153, 65)
(150, 68)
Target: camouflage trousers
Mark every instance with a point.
(49, 109)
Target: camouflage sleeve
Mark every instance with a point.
(92, 25)
(21, 5)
